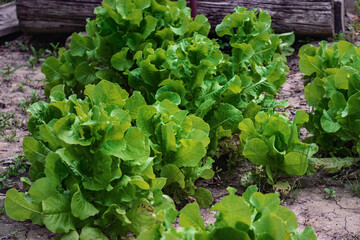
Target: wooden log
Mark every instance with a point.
(193, 8)
(8, 20)
(54, 16)
(304, 17)
(339, 15)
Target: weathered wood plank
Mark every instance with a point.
(54, 16)
(55, 9)
(304, 17)
(8, 20)
(41, 27)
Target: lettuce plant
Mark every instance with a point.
(272, 141)
(189, 74)
(198, 77)
(179, 142)
(252, 216)
(91, 168)
(156, 48)
(120, 32)
(102, 162)
(333, 91)
(255, 47)
(183, 73)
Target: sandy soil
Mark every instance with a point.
(335, 218)
(24, 85)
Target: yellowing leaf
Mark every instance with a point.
(140, 183)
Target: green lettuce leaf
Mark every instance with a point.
(190, 217)
(57, 214)
(19, 208)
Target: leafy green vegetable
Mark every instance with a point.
(252, 216)
(120, 33)
(92, 169)
(333, 90)
(195, 75)
(18, 208)
(178, 141)
(156, 48)
(101, 157)
(272, 141)
(255, 45)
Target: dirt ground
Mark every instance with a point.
(335, 218)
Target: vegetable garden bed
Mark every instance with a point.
(332, 219)
(147, 105)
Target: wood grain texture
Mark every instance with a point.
(54, 16)
(304, 17)
(8, 20)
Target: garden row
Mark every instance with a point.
(137, 108)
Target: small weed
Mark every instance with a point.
(32, 62)
(354, 185)
(217, 172)
(9, 45)
(339, 37)
(330, 193)
(37, 56)
(54, 51)
(356, 188)
(25, 104)
(34, 98)
(5, 182)
(17, 167)
(8, 71)
(20, 87)
(7, 121)
(23, 46)
(11, 137)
